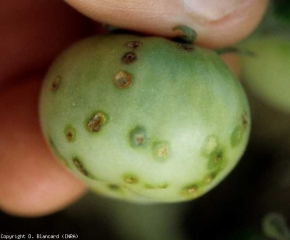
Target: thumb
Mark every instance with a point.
(217, 23)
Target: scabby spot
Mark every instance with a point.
(129, 58)
(70, 133)
(80, 166)
(156, 186)
(123, 79)
(96, 122)
(161, 150)
(186, 47)
(138, 137)
(55, 83)
(130, 178)
(190, 191)
(217, 160)
(133, 44)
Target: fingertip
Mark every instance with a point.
(32, 182)
(216, 25)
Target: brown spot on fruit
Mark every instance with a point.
(133, 44)
(186, 47)
(55, 83)
(123, 79)
(70, 134)
(130, 179)
(245, 120)
(96, 122)
(79, 166)
(129, 58)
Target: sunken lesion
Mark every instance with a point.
(191, 191)
(161, 150)
(129, 58)
(96, 121)
(123, 79)
(78, 163)
(55, 83)
(130, 178)
(138, 137)
(133, 45)
(215, 154)
(186, 47)
(217, 160)
(70, 133)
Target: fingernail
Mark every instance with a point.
(212, 10)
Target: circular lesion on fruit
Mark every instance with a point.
(70, 133)
(138, 137)
(130, 178)
(129, 58)
(190, 191)
(133, 44)
(95, 123)
(79, 166)
(217, 160)
(55, 83)
(123, 79)
(161, 150)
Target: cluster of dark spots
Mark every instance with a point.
(186, 47)
(70, 133)
(96, 122)
(123, 79)
(133, 44)
(138, 136)
(80, 166)
(129, 58)
(131, 179)
(55, 84)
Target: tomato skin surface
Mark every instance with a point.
(144, 119)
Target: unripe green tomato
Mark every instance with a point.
(144, 119)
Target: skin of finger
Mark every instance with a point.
(160, 17)
(33, 33)
(32, 182)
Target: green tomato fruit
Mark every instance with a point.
(144, 119)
